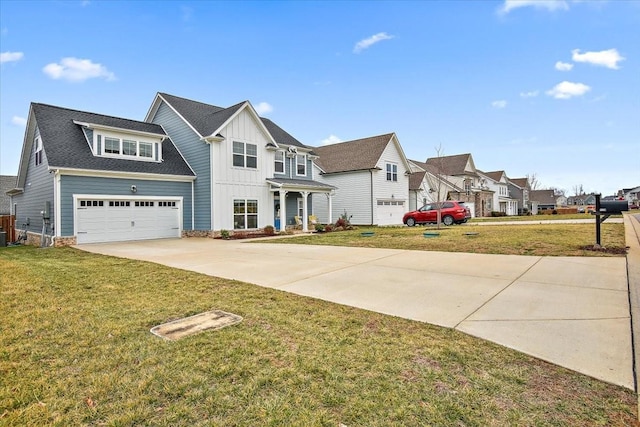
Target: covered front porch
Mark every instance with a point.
(291, 202)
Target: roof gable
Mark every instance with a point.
(355, 155)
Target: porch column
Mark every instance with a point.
(330, 197)
(283, 209)
(305, 215)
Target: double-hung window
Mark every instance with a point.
(392, 172)
(279, 162)
(301, 165)
(38, 153)
(245, 214)
(245, 155)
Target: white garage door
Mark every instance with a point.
(390, 212)
(114, 220)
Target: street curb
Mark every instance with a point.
(632, 240)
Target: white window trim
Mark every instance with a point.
(38, 152)
(257, 214)
(391, 168)
(156, 146)
(276, 161)
(304, 156)
(244, 155)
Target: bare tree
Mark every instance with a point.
(578, 190)
(434, 178)
(534, 182)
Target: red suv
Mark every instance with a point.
(452, 213)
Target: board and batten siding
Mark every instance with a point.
(71, 184)
(38, 189)
(197, 154)
(233, 182)
(353, 195)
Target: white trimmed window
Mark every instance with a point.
(301, 165)
(279, 162)
(129, 148)
(245, 214)
(392, 172)
(38, 152)
(245, 155)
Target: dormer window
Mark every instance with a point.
(126, 147)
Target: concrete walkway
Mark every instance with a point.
(571, 311)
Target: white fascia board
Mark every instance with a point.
(406, 162)
(27, 145)
(122, 175)
(120, 130)
(256, 118)
(156, 105)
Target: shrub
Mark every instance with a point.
(269, 230)
(319, 227)
(497, 213)
(341, 222)
(328, 228)
(224, 234)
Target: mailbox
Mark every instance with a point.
(613, 207)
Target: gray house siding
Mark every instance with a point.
(197, 154)
(290, 169)
(38, 189)
(70, 185)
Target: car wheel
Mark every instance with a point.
(411, 222)
(447, 220)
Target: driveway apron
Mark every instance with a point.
(571, 311)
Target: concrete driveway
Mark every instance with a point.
(570, 311)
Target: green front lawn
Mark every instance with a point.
(75, 349)
(534, 239)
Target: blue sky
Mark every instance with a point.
(550, 88)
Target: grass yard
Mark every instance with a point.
(536, 239)
(75, 349)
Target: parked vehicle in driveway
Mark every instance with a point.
(452, 212)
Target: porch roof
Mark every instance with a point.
(299, 185)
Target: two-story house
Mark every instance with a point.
(498, 182)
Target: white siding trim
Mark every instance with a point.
(57, 203)
(118, 174)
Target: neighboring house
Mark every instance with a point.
(460, 170)
(425, 186)
(581, 200)
(251, 173)
(543, 199)
(371, 177)
(7, 182)
(86, 177)
(498, 182)
(631, 195)
(519, 189)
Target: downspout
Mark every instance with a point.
(193, 206)
(371, 173)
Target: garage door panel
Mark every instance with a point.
(390, 212)
(116, 220)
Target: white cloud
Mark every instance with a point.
(10, 57)
(531, 94)
(77, 70)
(566, 90)
(366, 43)
(18, 121)
(550, 5)
(563, 66)
(263, 108)
(605, 58)
(332, 139)
(500, 104)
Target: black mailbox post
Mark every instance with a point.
(606, 208)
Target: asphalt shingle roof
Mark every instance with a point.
(7, 182)
(520, 182)
(450, 165)
(206, 118)
(359, 154)
(544, 197)
(66, 146)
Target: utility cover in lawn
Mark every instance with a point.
(207, 321)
